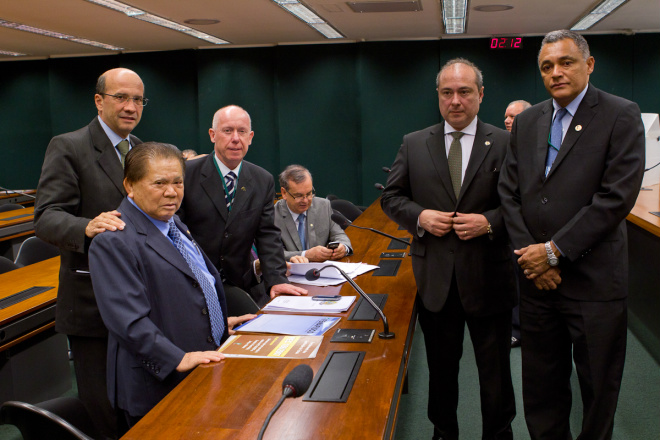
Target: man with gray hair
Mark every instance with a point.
(443, 190)
(514, 109)
(307, 229)
(572, 175)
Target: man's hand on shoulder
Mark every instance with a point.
(286, 289)
(437, 223)
(105, 221)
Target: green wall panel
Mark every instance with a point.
(646, 72)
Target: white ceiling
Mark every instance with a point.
(263, 23)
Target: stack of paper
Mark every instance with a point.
(306, 304)
(329, 277)
(271, 347)
(289, 324)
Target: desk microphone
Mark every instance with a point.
(344, 223)
(295, 384)
(387, 170)
(315, 274)
(16, 192)
(379, 186)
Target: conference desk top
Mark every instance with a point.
(231, 399)
(648, 201)
(44, 273)
(20, 197)
(16, 223)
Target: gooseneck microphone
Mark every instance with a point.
(11, 191)
(387, 170)
(344, 223)
(295, 384)
(315, 274)
(379, 186)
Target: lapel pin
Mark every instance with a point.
(487, 143)
(578, 127)
(311, 225)
(242, 188)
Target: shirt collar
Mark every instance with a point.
(162, 226)
(573, 106)
(471, 129)
(114, 137)
(224, 169)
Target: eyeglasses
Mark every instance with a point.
(122, 99)
(309, 195)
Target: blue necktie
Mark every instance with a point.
(301, 231)
(555, 139)
(210, 294)
(230, 180)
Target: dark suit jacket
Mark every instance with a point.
(321, 230)
(153, 307)
(227, 237)
(590, 190)
(420, 180)
(81, 178)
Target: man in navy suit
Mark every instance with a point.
(572, 175)
(159, 295)
(443, 190)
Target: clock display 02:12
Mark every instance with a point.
(506, 43)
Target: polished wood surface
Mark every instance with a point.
(44, 273)
(232, 398)
(647, 202)
(24, 225)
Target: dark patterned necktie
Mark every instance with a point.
(455, 159)
(230, 180)
(212, 302)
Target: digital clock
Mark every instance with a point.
(506, 43)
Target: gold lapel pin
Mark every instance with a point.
(487, 143)
(242, 188)
(578, 127)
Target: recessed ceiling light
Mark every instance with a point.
(47, 33)
(492, 8)
(602, 10)
(308, 16)
(454, 15)
(155, 19)
(201, 21)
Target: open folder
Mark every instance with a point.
(329, 277)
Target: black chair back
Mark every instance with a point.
(34, 250)
(7, 265)
(349, 210)
(10, 207)
(239, 302)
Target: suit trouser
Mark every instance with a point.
(557, 330)
(491, 338)
(89, 361)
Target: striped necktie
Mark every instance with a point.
(230, 181)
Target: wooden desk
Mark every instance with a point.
(34, 365)
(16, 223)
(231, 399)
(19, 197)
(644, 277)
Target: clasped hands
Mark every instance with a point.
(534, 263)
(466, 226)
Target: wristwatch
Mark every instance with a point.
(552, 258)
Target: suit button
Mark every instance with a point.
(544, 200)
(210, 339)
(157, 371)
(544, 233)
(205, 312)
(226, 234)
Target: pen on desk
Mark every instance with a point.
(326, 298)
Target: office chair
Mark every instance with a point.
(331, 197)
(34, 250)
(10, 207)
(239, 302)
(349, 210)
(7, 265)
(63, 418)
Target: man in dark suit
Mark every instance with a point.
(159, 295)
(229, 207)
(318, 229)
(79, 189)
(565, 211)
(443, 189)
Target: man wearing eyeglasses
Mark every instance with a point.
(307, 229)
(79, 189)
(229, 207)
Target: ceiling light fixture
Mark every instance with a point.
(602, 10)
(454, 15)
(47, 33)
(308, 16)
(12, 54)
(154, 19)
